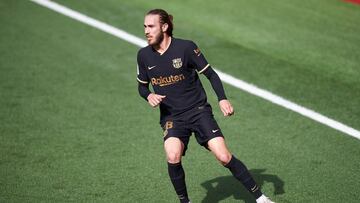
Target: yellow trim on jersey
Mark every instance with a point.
(202, 70)
(143, 82)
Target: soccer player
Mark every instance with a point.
(172, 66)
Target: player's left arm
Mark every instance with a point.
(199, 62)
(225, 105)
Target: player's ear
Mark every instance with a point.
(164, 27)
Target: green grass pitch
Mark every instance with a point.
(74, 129)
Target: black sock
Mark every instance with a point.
(177, 177)
(240, 172)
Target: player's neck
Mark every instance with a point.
(164, 45)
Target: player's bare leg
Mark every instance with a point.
(218, 147)
(174, 149)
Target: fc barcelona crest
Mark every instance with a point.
(177, 63)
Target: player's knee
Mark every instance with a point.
(173, 157)
(224, 158)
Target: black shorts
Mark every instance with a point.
(199, 120)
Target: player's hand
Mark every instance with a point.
(155, 99)
(226, 107)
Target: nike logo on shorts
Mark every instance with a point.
(214, 131)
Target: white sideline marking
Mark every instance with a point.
(92, 22)
(223, 76)
(288, 104)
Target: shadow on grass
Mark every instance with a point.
(221, 188)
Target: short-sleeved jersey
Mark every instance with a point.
(175, 75)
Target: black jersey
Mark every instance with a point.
(175, 75)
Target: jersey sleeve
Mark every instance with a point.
(142, 76)
(196, 58)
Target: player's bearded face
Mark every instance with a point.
(157, 39)
(153, 30)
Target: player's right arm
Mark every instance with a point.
(153, 99)
(143, 85)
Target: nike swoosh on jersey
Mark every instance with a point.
(151, 67)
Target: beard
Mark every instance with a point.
(157, 40)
